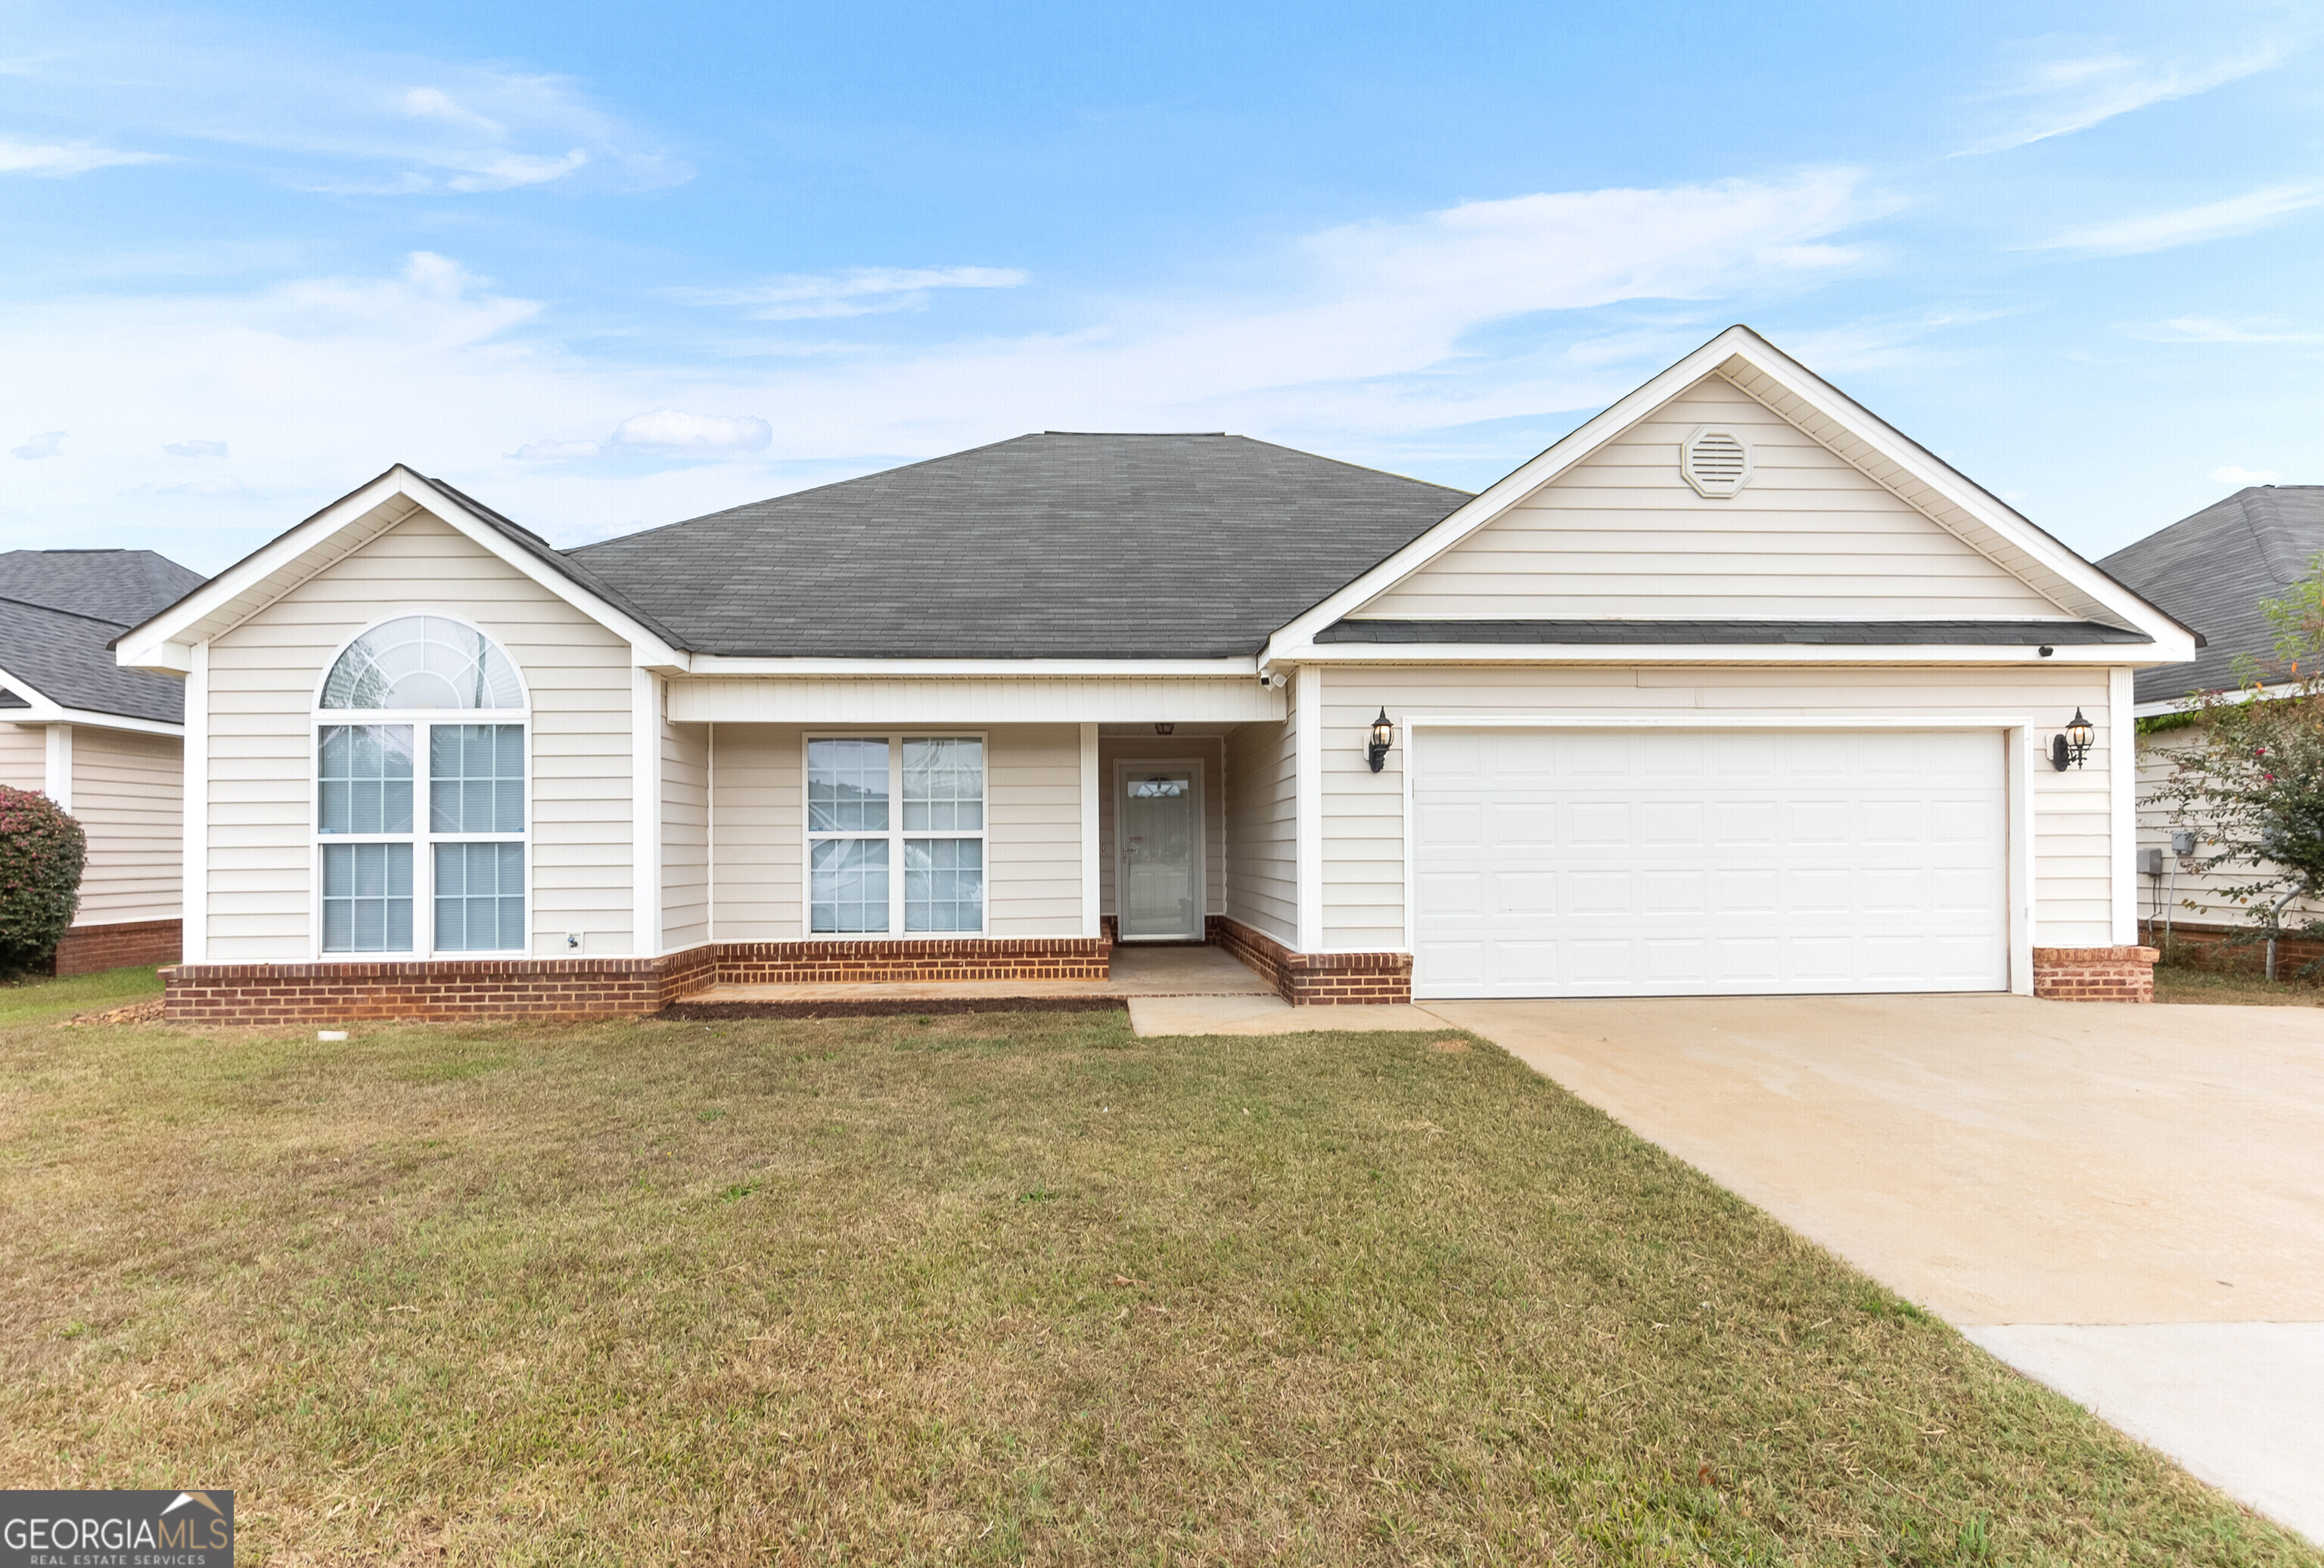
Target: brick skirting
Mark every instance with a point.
(1320, 979)
(123, 944)
(550, 989)
(937, 959)
(2095, 973)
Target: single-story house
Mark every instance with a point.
(102, 741)
(1735, 690)
(2210, 570)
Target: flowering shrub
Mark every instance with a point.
(42, 852)
(2255, 788)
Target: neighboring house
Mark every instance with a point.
(1734, 689)
(102, 741)
(2211, 571)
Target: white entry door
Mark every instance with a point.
(1662, 863)
(1160, 813)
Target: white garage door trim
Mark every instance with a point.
(2017, 752)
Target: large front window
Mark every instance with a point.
(421, 820)
(895, 831)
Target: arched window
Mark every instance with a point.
(414, 862)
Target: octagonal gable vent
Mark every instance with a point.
(1715, 460)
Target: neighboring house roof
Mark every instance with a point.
(2212, 569)
(1060, 545)
(60, 611)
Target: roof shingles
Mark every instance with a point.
(1049, 545)
(61, 609)
(2212, 569)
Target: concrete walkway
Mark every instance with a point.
(2126, 1203)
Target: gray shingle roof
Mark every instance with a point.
(125, 586)
(1059, 545)
(59, 610)
(2212, 569)
(1905, 633)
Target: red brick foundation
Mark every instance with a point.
(124, 945)
(2095, 973)
(1320, 979)
(940, 959)
(578, 988)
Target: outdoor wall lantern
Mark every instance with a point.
(1383, 737)
(2068, 749)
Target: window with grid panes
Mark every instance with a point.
(896, 828)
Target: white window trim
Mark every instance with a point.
(422, 838)
(895, 835)
(1124, 768)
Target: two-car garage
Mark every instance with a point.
(1664, 861)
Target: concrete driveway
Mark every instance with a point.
(2126, 1203)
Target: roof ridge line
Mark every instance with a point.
(76, 615)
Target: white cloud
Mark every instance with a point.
(2189, 225)
(2231, 474)
(864, 291)
(1358, 342)
(2059, 97)
(555, 451)
(195, 448)
(63, 160)
(338, 122)
(669, 431)
(2214, 329)
(47, 444)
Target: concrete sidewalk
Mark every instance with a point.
(2126, 1203)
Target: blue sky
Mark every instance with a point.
(606, 268)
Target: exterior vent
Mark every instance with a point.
(1715, 460)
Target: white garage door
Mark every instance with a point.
(1701, 862)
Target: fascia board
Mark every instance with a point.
(647, 647)
(1953, 485)
(1727, 653)
(150, 645)
(711, 665)
(1508, 490)
(2178, 705)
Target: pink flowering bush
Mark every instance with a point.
(42, 852)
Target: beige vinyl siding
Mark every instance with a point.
(129, 797)
(264, 676)
(759, 832)
(685, 836)
(1210, 750)
(1262, 865)
(1032, 832)
(24, 756)
(1363, 811)
(1621, 535)
(1032, 840)
(2205, 891)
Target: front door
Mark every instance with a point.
(1161, 854)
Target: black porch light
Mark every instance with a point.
(1383, 737)
(2067, 750)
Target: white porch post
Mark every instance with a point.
(645, 802)
(2122, 799)
(1092, 921)
(1307, 800)
(193, 894)
(59, 766)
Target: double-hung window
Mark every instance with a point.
(421, 805)
(895, 835)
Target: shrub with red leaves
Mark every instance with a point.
(42, 852)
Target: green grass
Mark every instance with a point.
(36, 999)
(2230, 975)
(985, 1289)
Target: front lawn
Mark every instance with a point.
(990, 1289)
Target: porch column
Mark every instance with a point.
(1092, 922)
(60, 767)
(1307, 800)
